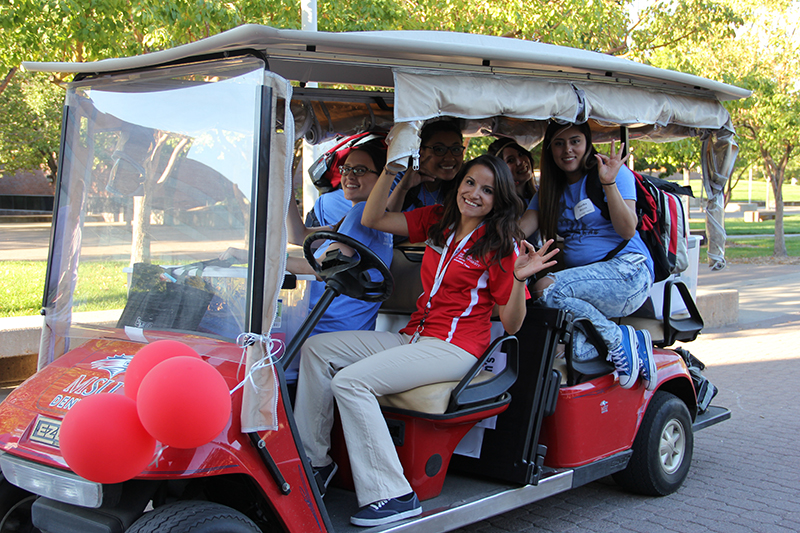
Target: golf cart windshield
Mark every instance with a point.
(155, 185)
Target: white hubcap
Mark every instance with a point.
(672, 447)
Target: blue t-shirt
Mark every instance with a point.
(331, 207)
(424, 196)
(347, 313)
(588, 236)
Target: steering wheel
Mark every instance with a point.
(349, 275)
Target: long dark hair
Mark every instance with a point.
(376, 150)
(497, 147)
(553, 180)
(502, 222)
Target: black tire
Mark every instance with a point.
(15, 509)
(194, 517)
(662, 449)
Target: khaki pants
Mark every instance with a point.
(356, 367)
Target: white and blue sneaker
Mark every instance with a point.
(626, 359)
(387, 511)
(644, 343)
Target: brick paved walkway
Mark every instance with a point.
(745, 475)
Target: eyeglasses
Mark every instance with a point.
(440, 149)
(357, 171)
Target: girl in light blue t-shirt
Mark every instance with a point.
(610, 271)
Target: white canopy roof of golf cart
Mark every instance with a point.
(465, 75)
(375, 53)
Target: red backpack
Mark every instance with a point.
(662, 222)
(325, 171)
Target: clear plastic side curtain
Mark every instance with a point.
(260, 395)
(67, 222)
(718, 157)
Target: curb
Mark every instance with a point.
(719, 307)
(19, 351)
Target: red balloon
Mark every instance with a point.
(102, 439)
(148, 357)
(184, 402)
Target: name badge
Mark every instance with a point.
(583, 208)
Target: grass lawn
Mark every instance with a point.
(103, 286)
(744, 249)
(23, 287)
(791, 193)
(791, 224)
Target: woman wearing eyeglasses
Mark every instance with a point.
(359, 174)
(441, 154)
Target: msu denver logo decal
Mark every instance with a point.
(114, 365)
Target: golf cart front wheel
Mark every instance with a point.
(194, 517)
(15, 509)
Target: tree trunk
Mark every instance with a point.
(777, 188)
(52, 165)
(776, 172)
(140, 243)
(7, 79)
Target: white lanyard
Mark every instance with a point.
(439, 276)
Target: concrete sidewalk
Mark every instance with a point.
(767, 291)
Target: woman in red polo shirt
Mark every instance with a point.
(472, 263)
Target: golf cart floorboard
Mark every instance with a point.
(463, 498)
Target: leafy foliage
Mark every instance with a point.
(697, 36)
(30, 124)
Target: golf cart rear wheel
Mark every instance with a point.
(194, 517)
(662, 450)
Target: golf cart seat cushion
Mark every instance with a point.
(645, 317)
(653, 325)
(431, 399)
(560, 364)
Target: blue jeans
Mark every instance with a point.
(597, 292)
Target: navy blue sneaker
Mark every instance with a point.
(387, 511)
(625, 358)
(648, 368)
(324, 475)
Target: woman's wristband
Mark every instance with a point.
(520, 280)
(606, 184)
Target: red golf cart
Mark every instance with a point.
(168, 159)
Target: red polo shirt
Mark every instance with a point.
(461, 309)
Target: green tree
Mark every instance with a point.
(666, 159)
(78, 30)
(763, 56)
(770, 121)
(30, 124)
